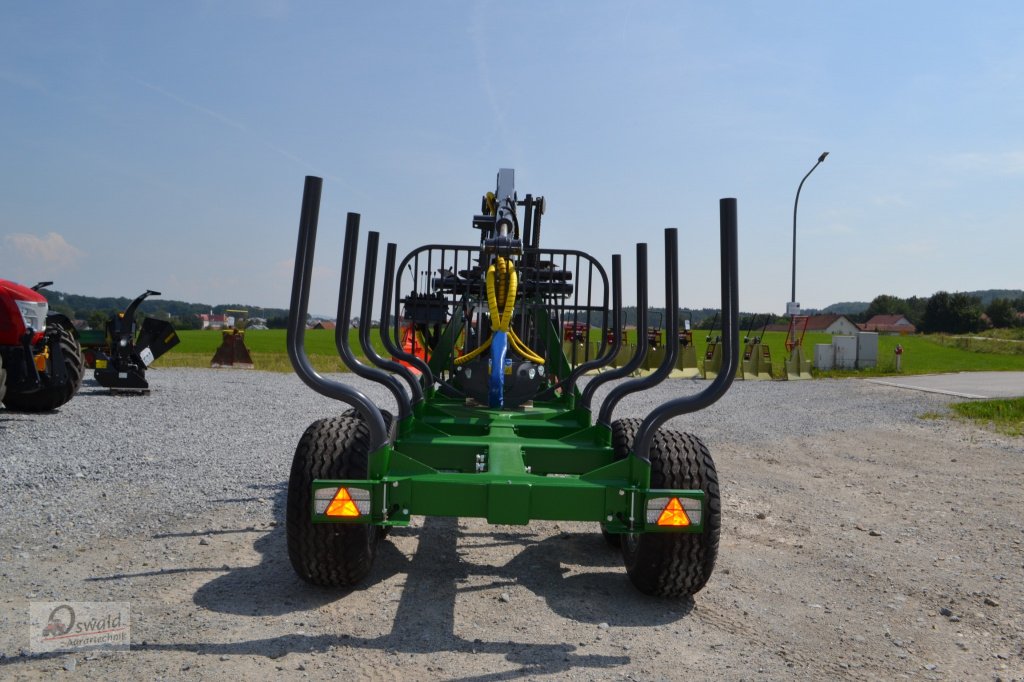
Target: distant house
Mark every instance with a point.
(324, 324)
(889, 324)
(827, 324)
(212, 321)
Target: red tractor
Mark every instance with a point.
(41, 362)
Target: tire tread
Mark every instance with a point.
(673, 564)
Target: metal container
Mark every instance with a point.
(845, 348)
(867, 349)
(824, 356)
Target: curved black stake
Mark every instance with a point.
(348, 274)
(385, 318)
(597, 363)
(672, 326)
(297, 312)
(369, 280)
(641, 339)
(730, 347)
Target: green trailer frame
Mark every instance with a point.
(511, 446)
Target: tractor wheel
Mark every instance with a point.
(673, 564)
(329, 554)
(53, 396)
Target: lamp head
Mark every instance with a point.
(822, 157)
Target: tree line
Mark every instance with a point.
(956, 313)
(95, 311)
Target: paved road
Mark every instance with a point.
(963, 384)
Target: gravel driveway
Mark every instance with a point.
(859, 540)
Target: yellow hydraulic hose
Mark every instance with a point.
(502, 284)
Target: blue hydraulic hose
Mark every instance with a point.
(496, 383)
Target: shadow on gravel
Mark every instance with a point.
(11, 416)
(578, 576)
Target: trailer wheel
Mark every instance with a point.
(52, 396)
(390, 424)
(673, 564)
(329, 554)
(623, 433)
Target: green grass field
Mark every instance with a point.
(921, 355)
(1005, 416)
(267, 347)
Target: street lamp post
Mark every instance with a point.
(794, 307)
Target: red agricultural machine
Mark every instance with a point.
(41, 360)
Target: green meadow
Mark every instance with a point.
(922, 354)
(1005, 416)
(930, 354)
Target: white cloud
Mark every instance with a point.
(52, 249)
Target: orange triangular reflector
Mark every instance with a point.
(342, 505)
(673, 514)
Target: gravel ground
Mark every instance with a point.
(859, 540)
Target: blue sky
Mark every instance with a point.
(163, 145)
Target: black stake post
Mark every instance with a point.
(604, 414)
(297, 312)
(610, 354)
(386, 329)
(369, 280)
(672, 327)
(730, 347)
(348, 273)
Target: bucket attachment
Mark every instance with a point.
(232, 351)
(757, 356)
(575, 344)
(797, 367)
(621, 356)
(655, 344)
(712, 358)
(121, 364)
(757, 360)
(686, 365)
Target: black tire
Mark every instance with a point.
(52, 396)
(673, 564)
(623, 432)
(391, 425)
(329, 554)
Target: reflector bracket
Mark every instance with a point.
(342, 502)
(676, 512)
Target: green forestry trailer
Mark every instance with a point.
(492, 419)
